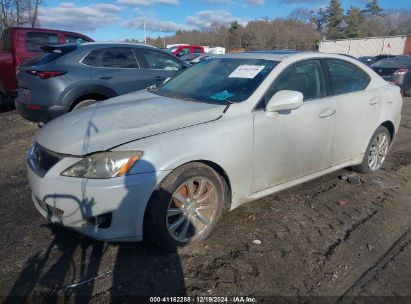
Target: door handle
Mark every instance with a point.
(159, 78)
(373, 101)
(105, 77)
(327, 113)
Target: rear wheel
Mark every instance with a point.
(84, 103)
(185, 207)
(376, 152)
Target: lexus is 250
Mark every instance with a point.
(163, 164)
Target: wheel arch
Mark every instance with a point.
(220, 171)
(94, 96)
(76, 94)
(390, 127)
(226, 180)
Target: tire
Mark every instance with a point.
(171, 220)
(376, 152)
(84, 103)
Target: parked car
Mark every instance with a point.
(19, 44)
(181, 50)
(163, 165)
(68, 77)
(195, 58)
(369, 60)
(396, 70)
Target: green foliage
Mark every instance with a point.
(334, 17)
(234, 26)
(354, 21)
(373, 8)
(320, 19)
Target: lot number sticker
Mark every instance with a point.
(246, 71)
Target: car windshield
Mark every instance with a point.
(219, 80)
(392, 63)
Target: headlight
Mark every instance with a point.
(104, 165)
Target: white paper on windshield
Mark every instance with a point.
(246, 71)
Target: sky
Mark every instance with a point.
(117, 20)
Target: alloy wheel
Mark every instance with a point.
(192, 209)
(378, 151)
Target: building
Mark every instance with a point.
(371, 46)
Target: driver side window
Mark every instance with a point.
(305, 77)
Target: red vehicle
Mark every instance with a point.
(181, 50)
(19, 44)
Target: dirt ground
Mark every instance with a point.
(326, 241)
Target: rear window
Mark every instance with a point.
(5, 44)
(392, 63)
(74, 39)
(346, 77)
(92, 58)
(36, 40)
(49, 55)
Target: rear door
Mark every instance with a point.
(117, 68)
(298, 142)
(157, 66)
(358, 109)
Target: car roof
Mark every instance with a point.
(119, 44)
(282, 55)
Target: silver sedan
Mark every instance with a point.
(164, 164)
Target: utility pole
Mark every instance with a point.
(164, 31)
(145, 34)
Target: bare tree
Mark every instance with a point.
(19, 13)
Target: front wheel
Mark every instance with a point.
(185, 207)
(376, 152)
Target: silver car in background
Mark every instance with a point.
(163, 165)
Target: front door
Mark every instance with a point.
(157, 66)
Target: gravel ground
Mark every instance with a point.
(326, 241)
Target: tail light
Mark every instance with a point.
(401, 72)
(45, 74)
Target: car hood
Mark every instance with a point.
(120, 120)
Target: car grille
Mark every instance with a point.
(42, 160)
(51, 211)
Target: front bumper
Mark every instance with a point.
(72, 202)
(39, 113)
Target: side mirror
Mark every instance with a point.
(284, 101)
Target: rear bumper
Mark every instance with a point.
(37, 113)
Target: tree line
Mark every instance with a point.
(301, 30)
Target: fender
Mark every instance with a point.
(76, 92)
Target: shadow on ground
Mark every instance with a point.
(69, 267)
